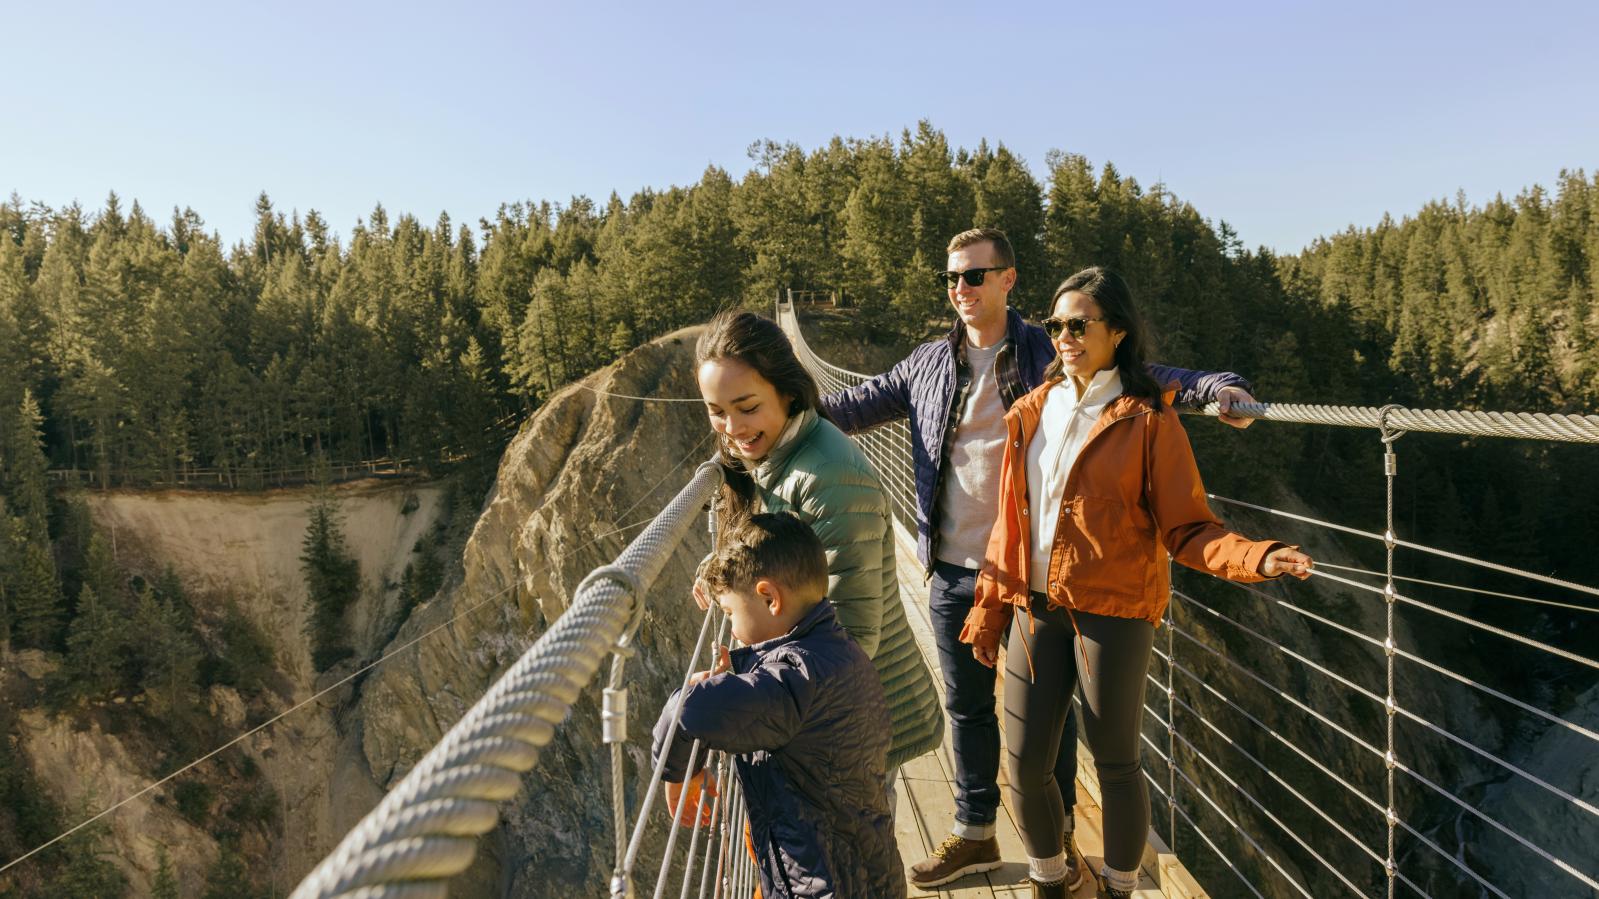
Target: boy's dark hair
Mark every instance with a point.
(772, 545)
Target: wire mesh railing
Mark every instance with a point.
(1317, 752)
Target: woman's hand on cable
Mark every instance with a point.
(702, 597)
(1287, 560)
(987, 655)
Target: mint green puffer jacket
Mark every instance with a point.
(825, 479)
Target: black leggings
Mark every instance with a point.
(1113, 707)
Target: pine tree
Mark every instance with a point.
(169, 656)
(333, 582)
(165, 884)
(32, 592)
(96, 645)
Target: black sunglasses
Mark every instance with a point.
(1076, 326)
(974, 276)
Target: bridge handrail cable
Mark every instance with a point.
(425, 829)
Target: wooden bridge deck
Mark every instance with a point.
(926, 796)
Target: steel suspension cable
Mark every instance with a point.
(1407, 713)
(1406, 544)
(1286, 697)
(1274, 734)
(1308, 802)
(1525, 425)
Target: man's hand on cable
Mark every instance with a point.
(1225, 398)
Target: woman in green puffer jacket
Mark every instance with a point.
(781, 453)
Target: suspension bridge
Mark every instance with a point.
(1257, 776)
(1290, 749)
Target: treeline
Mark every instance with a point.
(1490, 307)
(139, 351)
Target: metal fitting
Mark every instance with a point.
(613, 714)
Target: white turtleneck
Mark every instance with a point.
(1063, 427)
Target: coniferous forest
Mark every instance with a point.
(137, 350)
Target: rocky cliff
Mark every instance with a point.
(579, 481)
(241, 551)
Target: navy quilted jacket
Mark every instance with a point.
(805, 717)
(922, 388)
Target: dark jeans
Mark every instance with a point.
(1112, 687)
(969, 700)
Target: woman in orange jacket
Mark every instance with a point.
(1098, 485)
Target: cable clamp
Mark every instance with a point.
(1390, 759)
(1392, 707)
(1388, 646)
(1389, 434)
(613, 714)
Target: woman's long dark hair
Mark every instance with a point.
(1115, 302)
(759, 343)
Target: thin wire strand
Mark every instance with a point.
(1247, 838)
(1400, 709)
(1219, 854)
(644, 399)
(1261, 807)
(1357, 740)
(1463, 588)
(1466, 806)
(1494, 566)
(254, 730)
(1355, 791)
(1566, 654)
(1309, 803)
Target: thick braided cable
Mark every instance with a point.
(1529, 425)
(425, 829)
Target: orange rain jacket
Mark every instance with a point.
(1133, 495)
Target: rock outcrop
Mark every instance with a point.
(580, 480)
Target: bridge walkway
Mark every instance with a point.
(926, 795)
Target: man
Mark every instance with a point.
(955, 392)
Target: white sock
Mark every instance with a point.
(1126, 881)
(975, 831)
(1047, 870)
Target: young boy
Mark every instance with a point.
(802, 709)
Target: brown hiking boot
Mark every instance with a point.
(954, 859)
(1074, 865)
(1056, 890)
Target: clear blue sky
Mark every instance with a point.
(1287, 119)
